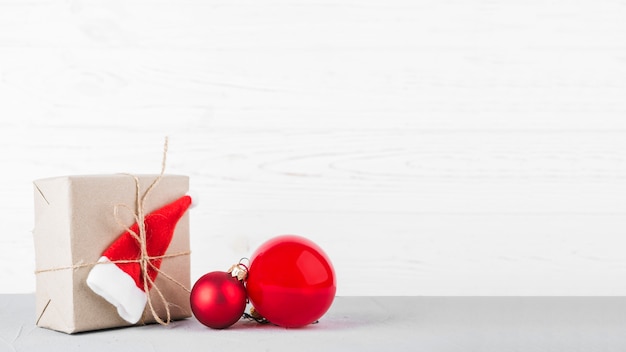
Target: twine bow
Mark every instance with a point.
(145, 260)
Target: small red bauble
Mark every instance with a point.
(218, 299)
(291, 281)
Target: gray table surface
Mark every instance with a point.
(361, 324)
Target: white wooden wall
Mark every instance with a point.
(430, 147)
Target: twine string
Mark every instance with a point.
(145, 261)
(121, 261)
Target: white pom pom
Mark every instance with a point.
(194, 199)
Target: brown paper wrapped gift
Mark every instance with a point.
(75, 223)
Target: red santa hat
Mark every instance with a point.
(121, 284)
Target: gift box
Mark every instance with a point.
(76, 222)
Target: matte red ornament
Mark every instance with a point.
(218, 299)
(291, 281)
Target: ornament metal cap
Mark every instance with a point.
(239, 271)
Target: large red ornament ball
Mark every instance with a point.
(291, 281)
(218, 300)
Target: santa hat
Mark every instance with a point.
(122, 284)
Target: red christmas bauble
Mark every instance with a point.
(218, 299)
(291, 281)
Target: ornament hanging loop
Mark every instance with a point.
(246, 261)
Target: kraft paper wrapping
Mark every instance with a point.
(74, 224)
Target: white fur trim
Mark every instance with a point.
(118, 288)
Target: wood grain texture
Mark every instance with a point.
(432, 147)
